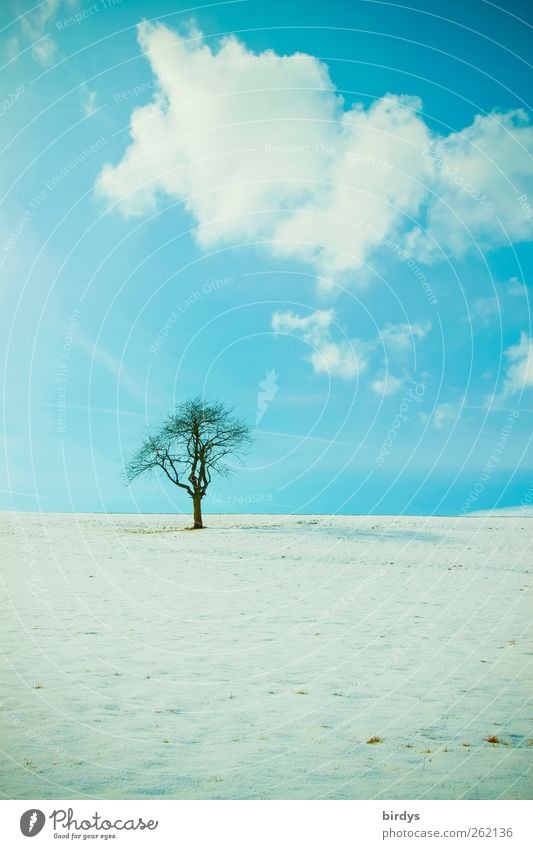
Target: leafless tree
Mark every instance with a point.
(191, 445)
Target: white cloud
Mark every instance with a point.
(403, 337)
(368, 188)
(260, 147)
(337, 359)
(516, 288)
(519, 373)
(348, 357)
(446, 414)
(387, 385)
(485, 309)
(480, 176)
(218, 131)
(34, 24)
(89, 103)
(313, 328)
(504, 307)
(44, 51)
(35, 21)
(398, 340)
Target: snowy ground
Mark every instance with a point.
(256, 658)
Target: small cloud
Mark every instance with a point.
(34, 24)
(519, 375)
(387, 385)
(447, 413)
(398, 340)
(35, 20)
(312, 328)
(516, 288)
(347, 357)
(89, 105)
(338, 359)
(44, 51)
(442, 414)
(484, 309)
(402, 337)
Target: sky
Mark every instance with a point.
(320, 214)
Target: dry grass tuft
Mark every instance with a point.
(374, 739)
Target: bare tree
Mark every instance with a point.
(191, 445)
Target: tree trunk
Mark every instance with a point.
(197, 511)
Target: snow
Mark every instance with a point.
(255, 658)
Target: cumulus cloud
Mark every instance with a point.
(403, 337)
(261, 147)
(313, 328)
(387, 385)
(481, 178)
(348, 357)
(519, 371)
(341, 358)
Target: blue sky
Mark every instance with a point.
(321, 213)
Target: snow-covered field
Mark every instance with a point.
(256, 658)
